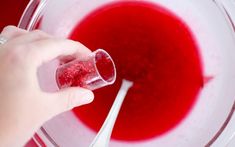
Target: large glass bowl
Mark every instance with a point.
(210, 123)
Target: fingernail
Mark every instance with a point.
(88, 96)
(85, 97)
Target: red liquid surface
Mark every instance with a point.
(11, 11)
(105, 66)
(156, 50)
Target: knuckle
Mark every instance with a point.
(32, 52)
(39, 33)
(8, 29)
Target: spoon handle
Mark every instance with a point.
(103, 137)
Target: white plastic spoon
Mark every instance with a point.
(103, 137)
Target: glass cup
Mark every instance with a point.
(92, 72)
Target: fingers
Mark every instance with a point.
(30, 37)
(18, 36)
(10, 32)
(48, 49)
(69, 98)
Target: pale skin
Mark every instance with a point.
(24, 107)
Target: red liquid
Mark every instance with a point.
(105, 67)
(11, 11)
(156, 50)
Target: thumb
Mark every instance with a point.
(69, 98)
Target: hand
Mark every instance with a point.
(24, 107)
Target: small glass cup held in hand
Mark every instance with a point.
(92, 72)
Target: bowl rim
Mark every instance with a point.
(40, 4)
